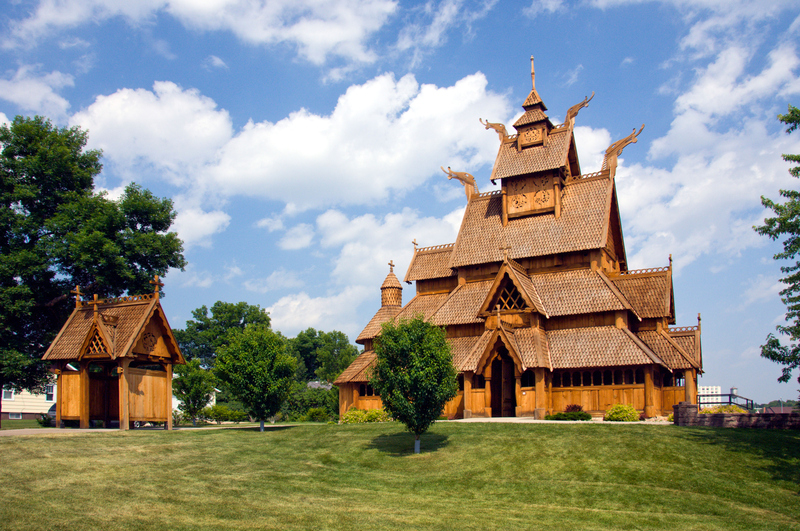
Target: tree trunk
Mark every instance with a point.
(262, 425)
(194, 421)
(416, 444)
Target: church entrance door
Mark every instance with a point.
(504, 396)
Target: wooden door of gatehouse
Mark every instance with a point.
(504, 396)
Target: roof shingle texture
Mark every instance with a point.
(391, 282)
(580, 227)
(358, 370)
(532, 347)
(599, 346)
(462, 305)
(548, 156)
(649, 294)
(575, 292)
(430, 264)
(373, 328)
(688, 343)
(67, 344)
(531, 116)
(665, 350)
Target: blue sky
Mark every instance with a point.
(301, 140)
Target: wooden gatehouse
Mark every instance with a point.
(113, 359)
(535, 294)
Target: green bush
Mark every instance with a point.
(45, 420)
(621, 413)
(671, 417)
(569, 415)
(316, 414)
(360, 416)
(724, 409)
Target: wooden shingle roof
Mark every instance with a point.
(548, 156)
(600, 346)
(461, 307)
(533, 348)
(575, 292)
(581, 226)
(358, 371)
(531, 116)
(424, 304)
(469, 350)
(430, 262)
(373, 328)
(649, 291)
(130, 314)
(673, 354)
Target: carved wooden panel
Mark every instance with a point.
(533, 194)
(529, 137)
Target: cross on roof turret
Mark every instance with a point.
(391, 266)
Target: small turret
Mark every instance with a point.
(391, 290)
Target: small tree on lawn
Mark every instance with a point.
(414, 373)
(193, 387)
(257, 369)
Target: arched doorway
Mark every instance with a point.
(504, 396)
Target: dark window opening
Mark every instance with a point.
(679, 380)
(556, 379)
(608, 379)
(628, 377)
(528, 379)
(479, 382)
(565, 380)
(597, 378)
(639, 376)
(618, 377)
(460, 382)
(587, 379)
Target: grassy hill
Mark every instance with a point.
(364, 477)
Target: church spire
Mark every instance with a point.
(391, 290)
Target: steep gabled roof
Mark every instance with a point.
(581, 226)
(424, 304)
(668, 349)
(600, 346)
(648, 290)
(430, 262)
(358, 371)
(550, 155)
(132, 314)
(520, 279)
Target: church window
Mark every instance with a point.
(510, 298)
(618, 377)
(679, 380)
(639, 376)
(479, 382)
(460, 382)
(597, 378)
(362, 390)
(667, 380)
(628, 377)
(528, 379)
(566, 380)
(587, 379)
(556, 379)
(608, 378)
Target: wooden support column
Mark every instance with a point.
(84, 394)
(518, 394)
(124, 409)
(649, 393)
(487, 395)
(468, 395)
(541, 402)
(690, 385)
(59, 394)
(168, 424)
(107, 369)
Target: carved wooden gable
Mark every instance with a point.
(530, 195)
(152, 342)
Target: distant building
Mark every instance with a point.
(25, 405)
(707, 390)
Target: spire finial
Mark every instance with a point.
(77, 293)
(414, 241)
(391, 266)
(670, 260)
(533, 76)
(157, 283)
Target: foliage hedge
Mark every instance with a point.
(621, 413)
(724, 409)
(360, 416)
(569, 415)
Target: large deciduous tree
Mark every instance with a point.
(257, 370)
(414, 373)
(786, 224)
(56, 232)
(205, 334)
(193, 387)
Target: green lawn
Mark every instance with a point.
(364, 477)
(9, 424)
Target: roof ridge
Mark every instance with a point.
(439, 248)
(679, 349)
(621, 296)
(646, 349)
(644, 271)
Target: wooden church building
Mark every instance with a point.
(535, 294)
(113, 359)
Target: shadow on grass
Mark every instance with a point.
(403, 443)
(267, 428)
(779, 449)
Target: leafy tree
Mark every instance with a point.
(56, 232)
(304, 349)
(786, 224)
(257, 370)
(301, 398)
(414, 373)
(205, 334)
(194, 387)
(334, 355)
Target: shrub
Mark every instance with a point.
(45, 420)
(569, 415)
(671, 417)
(571, 408)
(316, 414)
(724, 409)
(621, 413)
(360, 416)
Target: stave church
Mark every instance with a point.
(539, 306)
